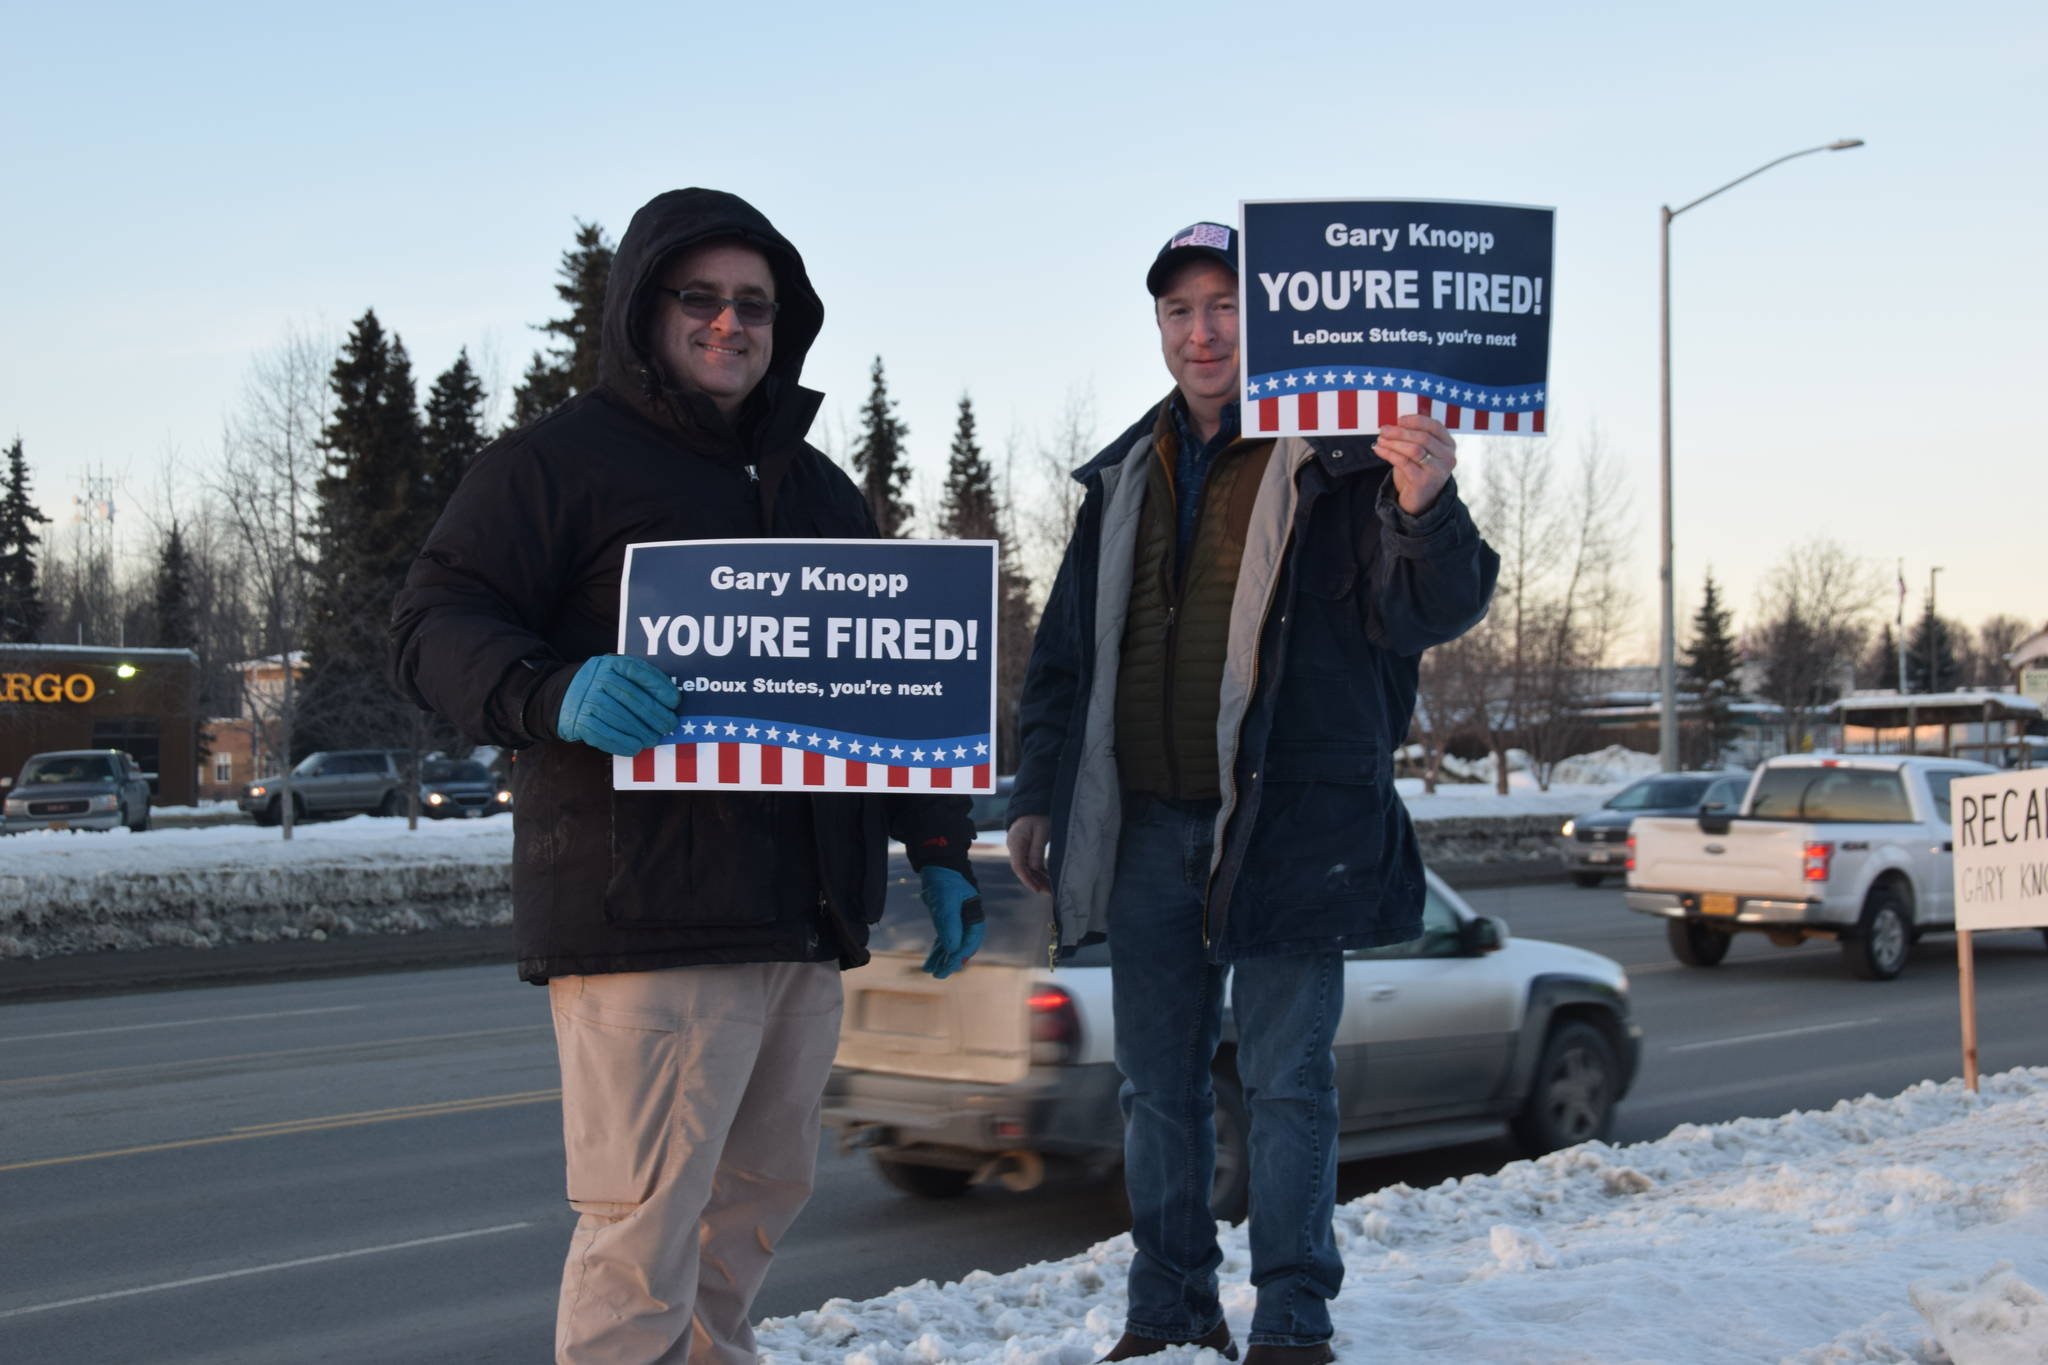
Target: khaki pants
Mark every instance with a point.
(690, 1101)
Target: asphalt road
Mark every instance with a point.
(369, 1168)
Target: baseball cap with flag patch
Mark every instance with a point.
(1197, 241)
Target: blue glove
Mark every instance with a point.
(618, 704)
(956, 913)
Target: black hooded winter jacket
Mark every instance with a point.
(519, 583)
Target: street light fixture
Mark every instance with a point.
(1667, 647)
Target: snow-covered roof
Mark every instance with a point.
(115, 652)
(1891, 709)
(2032, 650)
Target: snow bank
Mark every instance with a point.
(1899, 1230)
(207, 887)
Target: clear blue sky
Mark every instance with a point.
(979, 189)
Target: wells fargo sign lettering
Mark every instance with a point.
(76, 687)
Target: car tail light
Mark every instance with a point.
(1055, 1026)
(1630, 864)
(1814, 859)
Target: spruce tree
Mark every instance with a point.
(878, 462)
(974, 511)
(21, 597)
(570, 367)
(1881, 665)
(543, 388)
(373, 510)
(171, 611)
(1931, 656)
(1712, 668)
(454, 429)
(970, 510)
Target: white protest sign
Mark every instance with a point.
(2001, 850)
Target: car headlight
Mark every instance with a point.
(17, 805)
(504, 797)
(258, 790)
(108, 802)
(1569, 826)
(435, 798)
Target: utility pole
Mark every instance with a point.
(1931, 627)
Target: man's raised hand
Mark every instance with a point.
(1423, 455)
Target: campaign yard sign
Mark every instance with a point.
(2001, 850)
(816, 665)
(1355, 312)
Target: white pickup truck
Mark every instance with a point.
(1854, 847)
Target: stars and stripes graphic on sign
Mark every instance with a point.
(1329, 401)
(735, 754)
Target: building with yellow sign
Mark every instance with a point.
(88, 697)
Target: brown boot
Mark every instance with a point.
(1130, 1346)
(1318, 1354)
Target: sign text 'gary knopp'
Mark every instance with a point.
(1355, 312)
(825, 665)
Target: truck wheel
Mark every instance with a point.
(1695, 944)
(268, 814)
(1571, 1099)
(389, 806)
(1589, 879)
(926, 1182)
(1883, 940)
(140, 824)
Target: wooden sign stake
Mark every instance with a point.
(1966, 966)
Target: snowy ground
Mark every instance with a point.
(361, 840)
(1911, 1229)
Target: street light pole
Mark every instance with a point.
(1931, 628)
(1667, 644)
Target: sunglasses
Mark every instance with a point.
(704, 305)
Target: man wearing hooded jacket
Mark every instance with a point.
(1225, 667)
(690, 942)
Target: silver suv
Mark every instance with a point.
(1006, 1070)
(332, 782)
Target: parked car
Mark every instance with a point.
(332, 782)
(454, 788)
(1856, 848)
(78, 789)
(1594, 846)
(1006, 1069)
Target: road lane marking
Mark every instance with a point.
(1775, 1033)
(175, 1023)
(188, 1063)
(290, 1127)
(405, 1111)
(261, 1269)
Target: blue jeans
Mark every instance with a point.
(1169, 1006)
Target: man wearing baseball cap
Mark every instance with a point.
(1223, 673)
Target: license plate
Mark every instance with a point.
(58, 824)
(900, 1012)
(1599, 857)
(471, 814)
(1717, 904)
